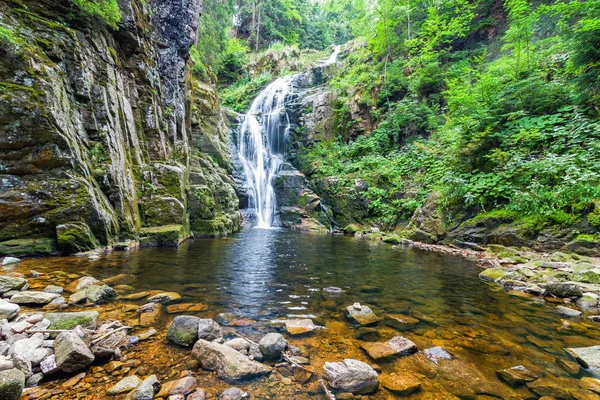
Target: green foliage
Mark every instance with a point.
(8, 37)
(107, 11)
(233, 60)
(239, 95)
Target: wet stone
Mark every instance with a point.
(186, 307)
(400, 322)
(363, 315)
(437, 353)
(183, 331)
(555, 387)
(563, 289)
(32, 297)
(402, 384)
(165, 298)
(395, 347)
(568, 312)
(587, 357)
(299, 326)
(181, 386)
(147, 389)
(233, 394)
(516, 376)
(591, 384)
(272, 345)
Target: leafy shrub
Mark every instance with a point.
(107, 11)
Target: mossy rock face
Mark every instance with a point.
(586, 245)
(167, 236)
(351, 229)
(75, 237)
(28, 247)
(586, 277)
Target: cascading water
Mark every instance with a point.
(262, 144)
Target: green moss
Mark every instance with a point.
(168, 235)
(505, 254)
(59, 321)
(28, 247)
(502, 215)
(586, 277)
(392, 239)
(594, 218)
(76, 237)
(492, 274)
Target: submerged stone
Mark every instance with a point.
(402, 384)
(400, 322)
(125, 385)
(299, 326)
(395, 347)
(516, 376)
(437, 353)
(568, 312)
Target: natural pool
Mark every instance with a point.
(266, 275)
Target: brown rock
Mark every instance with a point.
(186, 307)
(516, 376)
(74, 380)
(556, 387)
(400, 322)
(590, 384)
(299, 326)
(401, 383)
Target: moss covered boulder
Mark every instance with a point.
(75, 237)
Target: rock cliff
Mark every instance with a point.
(105, 136)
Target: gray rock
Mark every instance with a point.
(33, 298)
(72, 354)
(48, 365)
(239, 344)
(34, 380)
(69, 320)
(125, 385)
(587, 357)
(147, 389)
(437, 353)
(254, 352)
(6, 363)
(209, 330)
(363, 315)
(568, 312)
(26, 348)
(54, 289)
(94, 294)
(588, 300)
(165, 298)
(351, 376)
(227, 362)
(23, 365)
(10, 260)
(516, 376)
(8, 283)
(198, 394)
(233, 394)
(183, 331)
(563, 289)
(272, 345)
(12, 383)
(85, 281)
(8, 310)
(4, 348)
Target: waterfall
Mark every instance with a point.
(262, 144)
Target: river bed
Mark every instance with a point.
(250, 280)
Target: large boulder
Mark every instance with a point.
(8, 283)
(227, 362)
(272, 345)
(351, 376)
(69, 320)
(71, 353)
(8, 310)
(12, 383)
(33, 297)
(183, 331)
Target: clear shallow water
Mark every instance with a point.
(264, 275)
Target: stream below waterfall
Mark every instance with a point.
(249, 281)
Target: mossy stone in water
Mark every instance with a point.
(28, 247)
(492, 274)
(75, 237)
(183, 331)
(587, 277)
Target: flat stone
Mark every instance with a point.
(54, 289)
(400, 322)
(71, 353)
(555, 387)
(516, 376)
(363, 315)
(299, 326)
(227, 362)
(402, 384)
(69, 320)
(351, 376)
(437, 353)
(25, 349)
(125, 385)
(186, 307)
(74, 381)
(137, 296)
(395, 347)
(183, 331)
(12, 383)
(121, 279)
(568, 312)
(587, 357)
(33, 297)
(591, 384)
(181, 386)
(8, 310)
(165, 298)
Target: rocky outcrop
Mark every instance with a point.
(101, 139)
